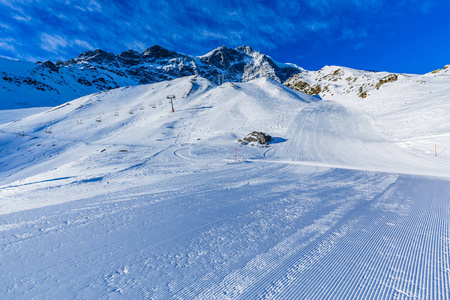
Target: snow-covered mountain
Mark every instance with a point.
(140, 118)
(407, 108)
(24, 84)
(113, 195)
(334, 82)
(208, 114)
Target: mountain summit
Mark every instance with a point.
(24, 84)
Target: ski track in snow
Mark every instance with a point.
(333, 211)
(340, 234)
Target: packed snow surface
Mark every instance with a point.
(113, 195)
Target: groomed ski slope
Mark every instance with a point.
(155, 204)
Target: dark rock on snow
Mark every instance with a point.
(259, 137)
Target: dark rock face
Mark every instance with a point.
(84, 81)
(98, 70)
(38, 85)
(51, 66)
(246, 49)
(223, 57)
(25, 81)
(157, 63)
(286, 73)
(130, 57)
(259, 137)
(98, 56)
(157, 52)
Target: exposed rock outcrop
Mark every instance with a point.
(389, 78)
(334, 81)
(256, 136)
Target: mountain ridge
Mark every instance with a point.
(48, 83)
(26, 84)
(333, 82)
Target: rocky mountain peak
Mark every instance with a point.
(97, 56)
(246, 49)
(223, 57)
(158, 52)
(130, 57)
(98, 70)
(50, 65)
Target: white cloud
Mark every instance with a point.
(6, 27)
(52, 43)
(25, 19)
(94, 6)
(9, 3)
(206, 34)
(62, 16)
(83, 44)
(7, 46)
(136, 45)
(9, 57)
(192, 26)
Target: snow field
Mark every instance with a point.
(412, 111)
(322, 233)
(153, 205)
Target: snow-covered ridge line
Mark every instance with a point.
(335, 82)
(25, 84)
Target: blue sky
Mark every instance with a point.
(408, 36)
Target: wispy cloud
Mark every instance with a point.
(94, 6)
(83, 44)
(22, 18)
(52, 43)
(55, 29)
(5, 27)
(7, 46)
(11, 4)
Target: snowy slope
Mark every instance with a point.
(333, 135)
(411, 110)
(156, 204)
(337, 82)
(24, 84)
(207, 120)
